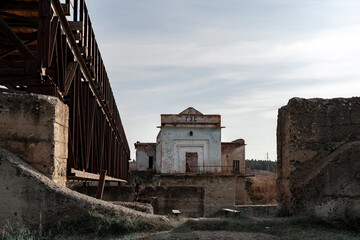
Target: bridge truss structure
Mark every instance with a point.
(49, 47)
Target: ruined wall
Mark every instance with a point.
(318, 157)
(189, 200)
(175, 142)
(28, 198)
(219, 190)
(36, 128)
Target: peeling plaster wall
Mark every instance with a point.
(175, 142)
(143, 152)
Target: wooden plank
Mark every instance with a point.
(81, 175)
(20, 6)
(101, 185)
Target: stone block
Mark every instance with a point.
(36, 128)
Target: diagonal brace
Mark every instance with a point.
(16, 40)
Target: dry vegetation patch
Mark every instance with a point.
(261, 189)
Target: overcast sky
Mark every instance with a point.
(238, 58)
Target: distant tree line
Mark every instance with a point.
(261, 165)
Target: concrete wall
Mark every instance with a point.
(175, 142)
(189, 200)
(318, 157)
(36, 128)
(219, 190)
(28, 198)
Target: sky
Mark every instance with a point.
(238, 58)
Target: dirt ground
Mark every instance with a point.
(210, 235)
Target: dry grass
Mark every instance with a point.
(261, 189)
(92, 226)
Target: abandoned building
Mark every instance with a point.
(189, 153)
(190, 142)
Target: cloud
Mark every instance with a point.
(241, 59)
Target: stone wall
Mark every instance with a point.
(189, 200)
(36, 128)
(219, 190)
(318, 157)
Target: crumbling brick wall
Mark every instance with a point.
(318, 145)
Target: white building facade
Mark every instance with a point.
(188, 142)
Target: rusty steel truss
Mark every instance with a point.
(49, 47)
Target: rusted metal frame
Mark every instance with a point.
(19, 6)
(29, 58)
(94, 141)
(60, 65)
(85, 75)
(79, 122)
(98, 65)
(110, 148)
(7, 53)
(43, 34)
(54, 29)
(16, 17)
(77, 53)
(69, 75)
(88, 44)
(83, 122)
(90, 127)
(102, 146)
(75, 17)
(113, 168)
(92, 54)
(73, 109)
(85, 29)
